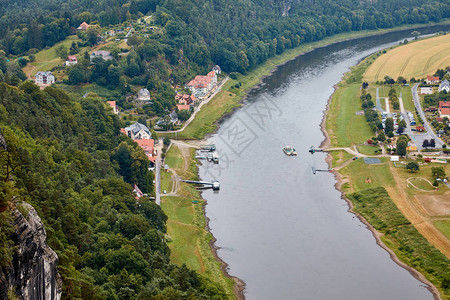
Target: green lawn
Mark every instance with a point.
(368, 150)
(187, 227)
(50, 54)
(343, 125)
(184, 235)
(166, 182)
(443, 226)
(339, 157)
(358, 171)
(174, 159)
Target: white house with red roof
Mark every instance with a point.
(71, 60)
(444, 109)
(202, 85)
(432, 79)
(113, 106)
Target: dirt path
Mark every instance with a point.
(176, 178)
(416, 215)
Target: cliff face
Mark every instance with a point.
(33, 274)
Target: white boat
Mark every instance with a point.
(289, 151)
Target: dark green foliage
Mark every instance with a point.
(413, 166)
(66, 158)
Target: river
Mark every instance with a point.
(284, 231)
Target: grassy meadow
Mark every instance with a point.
(186, 224)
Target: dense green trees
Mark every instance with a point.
(65, 157)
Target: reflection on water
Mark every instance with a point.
(284, 231)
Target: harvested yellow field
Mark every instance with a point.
(417, 59)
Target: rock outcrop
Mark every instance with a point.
(33, 274)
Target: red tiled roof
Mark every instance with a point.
(72, 58)
(444, 104)
(183, 107)
(122, 130)
(444, 111)
(112, 104)
(432, 78)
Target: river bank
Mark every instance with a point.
(231, 98)
(377, 235)
(386, 242)
(235, 91)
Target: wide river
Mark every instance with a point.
(284, 231)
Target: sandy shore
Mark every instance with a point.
(340, 180)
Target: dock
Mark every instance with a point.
(215, 185)
(314, 170)
(313, 150)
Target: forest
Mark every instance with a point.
(64, 155)
(195, 35)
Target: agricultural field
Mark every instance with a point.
(416, 59)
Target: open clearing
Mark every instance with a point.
(417, 59)
(435, 205)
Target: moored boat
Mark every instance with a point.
(289, 151)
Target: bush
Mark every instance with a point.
(166, 141)
(233, 75)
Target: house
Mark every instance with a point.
(106, 55)
(137, 191)
(184, 99)
(83, 26)
(444, 109)
(44, 78)
(444, 86)
(217, 69)
(183, 107)
(114, 106)
(138, 131)
(143, 95)
(202, 85)
(430, 109)
(426, 90)
(148, 146)
(71, 60)
(432, 79)
(173, 118)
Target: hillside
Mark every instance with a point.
(64, 156)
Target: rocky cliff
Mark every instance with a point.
(33, 274)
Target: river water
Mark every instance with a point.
(284, 231)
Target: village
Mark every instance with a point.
(188, 98)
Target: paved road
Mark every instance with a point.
(380, 109)
(158, 182)
(427, 126)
